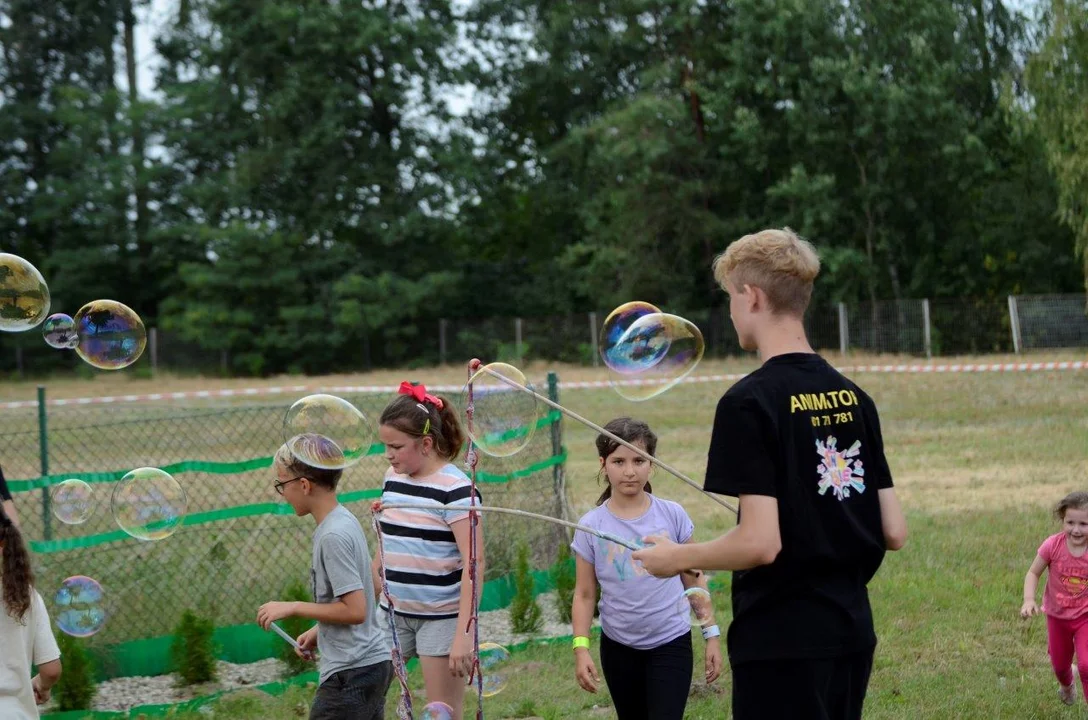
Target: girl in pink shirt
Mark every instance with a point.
(1065, 600)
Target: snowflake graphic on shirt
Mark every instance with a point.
(839, 470)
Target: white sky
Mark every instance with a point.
(157, 14)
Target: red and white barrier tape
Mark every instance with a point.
(564, 385)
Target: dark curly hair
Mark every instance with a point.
(16, 573)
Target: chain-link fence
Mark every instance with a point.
(926, 327)
(240, 545)
(1050, 321)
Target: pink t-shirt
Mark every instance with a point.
(1066, 596)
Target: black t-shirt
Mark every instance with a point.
(5, 494)
(799, 431)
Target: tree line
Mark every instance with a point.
(297, 184)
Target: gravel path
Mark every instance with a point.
(124, 693)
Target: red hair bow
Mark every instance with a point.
(419, 392)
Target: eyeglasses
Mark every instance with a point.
(280, 484)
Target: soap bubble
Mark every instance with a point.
(437, 711)
(148, 504)
(697, 604)
(80, 610)
(494, 660)
(111, 334)
(647, 351)
(72, 501)
(327, 432)
(504, 417)
(24, 296)
(59, 332)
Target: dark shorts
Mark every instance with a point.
(810, 689)
(356, 694)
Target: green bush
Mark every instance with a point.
(525, 615)
(294, 627)
(193, 649)
(76, 689)
(564, 575)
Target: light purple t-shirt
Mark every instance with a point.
(637, 609)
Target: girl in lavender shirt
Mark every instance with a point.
(646, 651)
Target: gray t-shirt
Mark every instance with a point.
(341, 564)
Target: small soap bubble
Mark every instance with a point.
(80, 609)
(696, 603)
(59, 332)
(72, 501)
(494, 661)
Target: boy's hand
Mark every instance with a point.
(307, 643)
(713, 660)
(270, 612)
(1029, 608)
(41, 694)
(659, 556)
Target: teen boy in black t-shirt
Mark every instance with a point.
(800, 446)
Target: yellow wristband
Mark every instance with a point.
(581, 642)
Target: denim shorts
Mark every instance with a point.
(355, 694)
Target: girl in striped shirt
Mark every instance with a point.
(426, 551)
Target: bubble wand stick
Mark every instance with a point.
(475, 364)
(380, 506)
(294, 643)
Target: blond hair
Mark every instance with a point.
(779, 262)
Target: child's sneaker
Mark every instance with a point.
(1068, 693)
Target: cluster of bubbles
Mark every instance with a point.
(105, 334)
(147, 504)
(648, 351)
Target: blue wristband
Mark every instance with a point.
(711, 632)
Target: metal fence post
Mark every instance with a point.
(593, 340)
(442, 341)
(558, 478)
(43, 451)
(844, 330)
(926, 332)
(153, 346)
(517, 339)
(1014, 324)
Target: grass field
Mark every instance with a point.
(977, 459)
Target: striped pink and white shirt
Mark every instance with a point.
(423, 564)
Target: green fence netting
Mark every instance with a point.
(239, 545)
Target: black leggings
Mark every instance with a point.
(648, 684)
